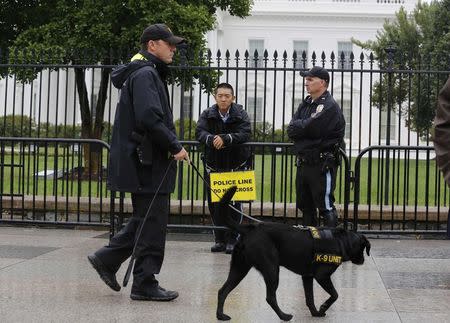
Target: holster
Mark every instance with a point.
(144, 149)
(328, 161)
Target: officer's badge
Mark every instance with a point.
(318, 110)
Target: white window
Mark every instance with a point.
(300, 47)
(384, 125)
(187, 105)
(255, 108)
(256, 45)
(345, 47)
(346, 111)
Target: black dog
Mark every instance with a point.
(310, 252)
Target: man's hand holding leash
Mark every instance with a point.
(182, 155)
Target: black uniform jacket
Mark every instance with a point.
(317, 126)
(235, 131)
(143, 107)
(442, 131)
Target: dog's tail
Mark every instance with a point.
(223, 205)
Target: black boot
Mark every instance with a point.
(330, 218)
(155, 293)
(108, 276)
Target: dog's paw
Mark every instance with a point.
(318, 314)
(286, 317)
(323, 309)
(223, 317)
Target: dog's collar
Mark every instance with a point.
(316, 233)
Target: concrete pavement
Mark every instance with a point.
(45, 277)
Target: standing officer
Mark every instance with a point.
(317, 130)
(442, 137)
(222, 128)
(442, 131)
(143, 142)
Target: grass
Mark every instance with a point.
(410, 181)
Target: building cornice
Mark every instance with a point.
(302, 20)
(329, 7)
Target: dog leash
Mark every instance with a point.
(133, 255)
(209, 188)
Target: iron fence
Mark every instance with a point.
(381, 104)
(397, 191)
(44, 180)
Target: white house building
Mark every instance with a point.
(319, 26)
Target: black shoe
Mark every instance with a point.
(229, 248)
(157, 293)
(106, 275)
(218, 247)
(330, 219)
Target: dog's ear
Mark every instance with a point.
(226, 198)
(366, 244)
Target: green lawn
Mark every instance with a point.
(409, 180)
(22, 178)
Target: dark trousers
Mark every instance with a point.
(315, 191)
(150, 248)
(223, 236)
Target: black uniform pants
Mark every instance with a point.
(315, 186)
(150, 248)
(223, 236)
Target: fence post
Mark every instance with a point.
(390, 62)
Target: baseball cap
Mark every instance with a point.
(160, 31)
(317, 71)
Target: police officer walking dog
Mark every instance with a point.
(143, 142)
(222, 128)
(317, 130)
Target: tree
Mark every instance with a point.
(104, 31)
(419, 41)
(17, 16)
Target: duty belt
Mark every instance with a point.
(314, 158)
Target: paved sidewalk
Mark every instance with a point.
(45, 277)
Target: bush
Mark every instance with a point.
(188, 131)
(17, 126)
